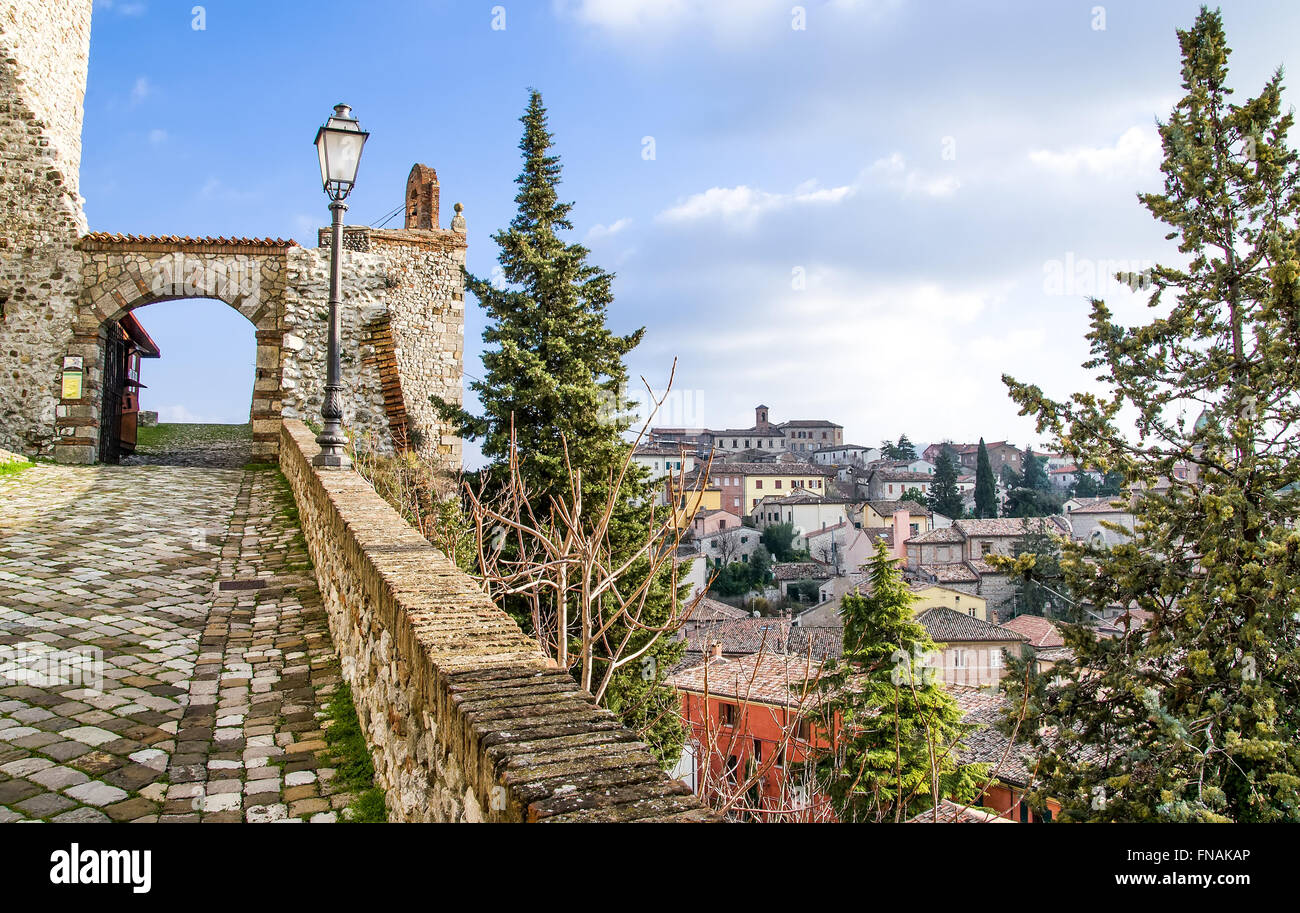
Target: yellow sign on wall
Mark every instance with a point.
(72, 385)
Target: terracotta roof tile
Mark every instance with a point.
(103, 237)
(1038, 630)
(765, 678)
(948, 626)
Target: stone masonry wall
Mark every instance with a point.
(44, 46)
(465, 718)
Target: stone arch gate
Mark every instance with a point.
(403, 326)
(121, 273)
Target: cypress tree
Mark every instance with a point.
(986, 490)
(1195, 715)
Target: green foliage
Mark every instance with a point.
(778, 539)
(903, 450)
(915, 494)
(14, 468)
(354, 769)
(1029, 502)
(554, 376)
(1196, 715)
(899, 730)
(945, 496)
(986, 490)
(804, 590)
(1035, 566)
(1035, 472)
(1085, 486)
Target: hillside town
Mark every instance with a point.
(779, 521)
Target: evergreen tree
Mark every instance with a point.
(778, 539)
(1034, 476)
(986, 491)
(915, 495)
(554, 372)
(1085, 486)
(1196, 714)
(905, 449)
(945, 496)
(892, 717)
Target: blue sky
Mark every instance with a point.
(863, 219)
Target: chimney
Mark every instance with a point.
(715, 651)
(902, 530)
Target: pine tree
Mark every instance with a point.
(986, 491)
(1196, 714)
(892, 717)
(945, 496)
(554, 372)
(905, 449)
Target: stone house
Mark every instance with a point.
(971, 650)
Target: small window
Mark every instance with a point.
(758, 483)
(726, 714)
(959, 659)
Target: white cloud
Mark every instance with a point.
(141, 90)
(741, 206)
(177, 414)
(892, 172)
(1136, 150)
(599, 232)
(641, 16)
(121, 9)
(157, 136)
(723, 20)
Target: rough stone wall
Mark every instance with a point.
(421, 296)
(44, 46)
(48, 43)
(466, 720)
(306, 321)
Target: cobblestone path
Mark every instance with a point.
(163, 649)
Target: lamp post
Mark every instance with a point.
(338, 143)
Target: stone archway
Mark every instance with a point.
(121, 273)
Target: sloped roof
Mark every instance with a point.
(1100, 506)
(769, 678)
(947, 626)
(887, 508)
(707, 610)
(740, 636)
(950, 812)
(951, 572)
(939, 536)
(1037, 630)
(993, 526)
(802, 570)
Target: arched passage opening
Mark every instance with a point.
(186, 277)
(179, 379)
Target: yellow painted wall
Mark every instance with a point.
(935, 596)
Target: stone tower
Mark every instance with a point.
(44, 51)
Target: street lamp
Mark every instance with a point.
(338, 143)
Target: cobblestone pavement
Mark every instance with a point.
(194, 587)
(209, 446)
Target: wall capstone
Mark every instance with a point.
(466, 719)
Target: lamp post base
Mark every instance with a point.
(331, 461)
